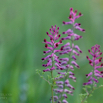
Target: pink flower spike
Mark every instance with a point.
(53, 45)
(94, 62)
(68, 49)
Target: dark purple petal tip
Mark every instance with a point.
(71, 9)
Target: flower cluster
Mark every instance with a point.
(66, 64)
(52, 49)
(95, 74)
(60, 83)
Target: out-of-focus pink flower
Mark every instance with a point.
(95, 63)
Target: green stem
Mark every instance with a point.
(44, 79)
(72, 41)
(89, 94)
(93, 73)
(86, 97)
(52, 87)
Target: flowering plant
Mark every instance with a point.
(60, 69)
(95, 74)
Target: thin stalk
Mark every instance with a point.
(52, 87)
(89, 94)
(86, 96)
(72, 41)
(93, 72)
(44, 79)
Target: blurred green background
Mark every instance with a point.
(23, 26)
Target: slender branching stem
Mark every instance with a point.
(44, 79)
(52, 87)
(87, 96)
(90, 93)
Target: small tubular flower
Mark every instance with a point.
(96, 64)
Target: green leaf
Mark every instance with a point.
(85, 101)
(42, 72)
(101, 86)
(39, 71)
(84, 89)
(88, 86)
(52, 79)
(48, 76)
(41, 76)
(90, 95)
(36, 70)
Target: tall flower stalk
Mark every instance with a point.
(95, 74)
(52, 59)
(67, 64)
